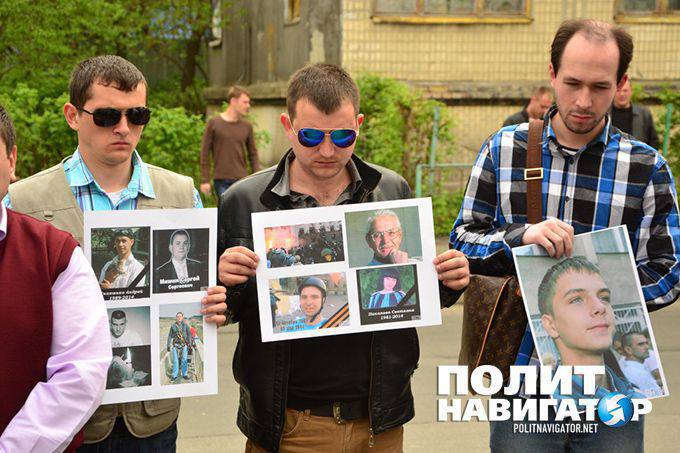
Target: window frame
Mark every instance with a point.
(289, 12)
(660, 16)
(477, 17)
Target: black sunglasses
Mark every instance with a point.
(139, 116)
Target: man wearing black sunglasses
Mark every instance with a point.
(107, 109)
(317, 391)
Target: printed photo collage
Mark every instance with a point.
(344, 269)
(154, 267)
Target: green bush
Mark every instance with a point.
(398, 129)
(445, 208)
(43, 137)
(672, 97)
(172, 140)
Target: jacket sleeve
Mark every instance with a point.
(478, 231)
(231, 235)
(657, 240)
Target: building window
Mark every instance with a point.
(451, 11)
(292, 11)
(647, 11)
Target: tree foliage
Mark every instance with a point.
(42, 40)
(672, 97)
(398, 129)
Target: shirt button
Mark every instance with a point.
(566, 199)
(571, 160)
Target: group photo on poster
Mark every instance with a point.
(180, 260)
(120, 258)
(588, 309)
(297, 245)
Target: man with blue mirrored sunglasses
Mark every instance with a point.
(345, 392)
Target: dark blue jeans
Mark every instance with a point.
(122, 441)
(625, 439)
(221, 186)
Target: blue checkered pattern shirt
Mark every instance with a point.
(613, 180)
(90, 196)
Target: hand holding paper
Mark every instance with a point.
(452, 269)
(236, 265)
(555, 236)
(214, 305)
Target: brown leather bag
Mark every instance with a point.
(494, 319)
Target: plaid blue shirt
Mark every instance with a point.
(613, 180)
(90, 196)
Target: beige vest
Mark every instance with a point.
(47, 196)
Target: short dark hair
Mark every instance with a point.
(236, 91)
(392, 273)
(7, 133)
(546, 290)
(325, 85)
(542, 91)
(105, 70)
(593, 30)
(123, 232)
(118, 314)
(627, 338)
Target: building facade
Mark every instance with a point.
(482, 58)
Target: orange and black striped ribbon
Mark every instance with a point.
(338, 318)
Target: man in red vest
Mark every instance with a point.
(54, 373)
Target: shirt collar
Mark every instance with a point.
(3, 221)
(78, 175)
(282, 187)
(603, 138)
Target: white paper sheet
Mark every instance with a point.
(361, 295)
(142, 368)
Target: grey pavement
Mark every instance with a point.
(209, 423)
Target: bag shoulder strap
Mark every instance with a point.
(533, 172)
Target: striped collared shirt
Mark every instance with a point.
(91, 197)
(613, 180)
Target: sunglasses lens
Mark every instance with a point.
(310, 137)
(139, 116)
(106, 117)
(343, 138)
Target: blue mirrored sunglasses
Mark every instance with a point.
(341, 138)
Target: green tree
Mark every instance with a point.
(42, 40)
(398, 129)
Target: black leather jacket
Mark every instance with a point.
(262, 369)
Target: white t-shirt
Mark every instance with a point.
(131, 269)
(651, 362)
(641, 378)
(129, 338)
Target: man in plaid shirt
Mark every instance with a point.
(594, 177)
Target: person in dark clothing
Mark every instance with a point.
(361, 380)
(633, 118)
